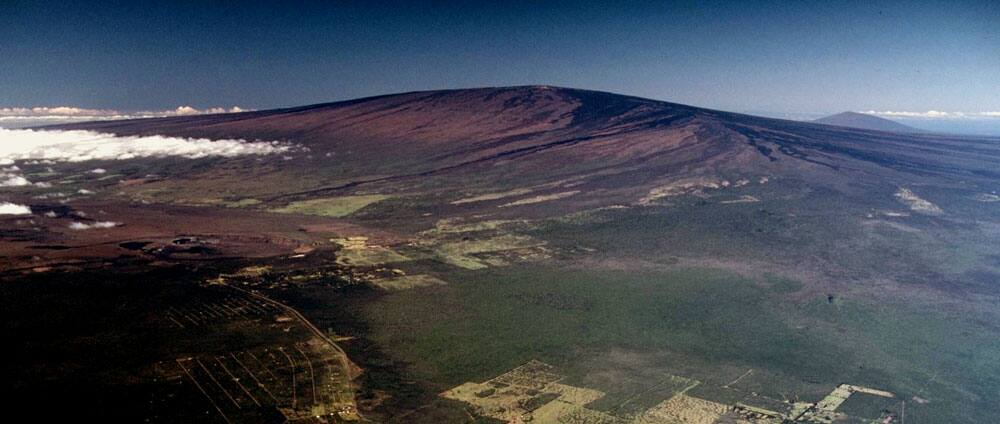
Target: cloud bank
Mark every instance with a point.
(80, 146)
(19, 116)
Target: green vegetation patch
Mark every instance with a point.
(369, 256)
(331, 206)
(460, 253)
(457, 226)
(403, 282)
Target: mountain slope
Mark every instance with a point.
(865, 122)
(617, 148)
(416, 160)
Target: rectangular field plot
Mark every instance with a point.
(638, 396)
(866, 408)
(535, 392)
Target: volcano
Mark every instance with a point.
(494, 253)
(614, 148)
(866, 122)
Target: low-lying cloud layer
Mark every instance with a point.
(13, 117)
(80, 146)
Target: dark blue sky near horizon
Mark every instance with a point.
(752, 56)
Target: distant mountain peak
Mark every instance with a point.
(866, 122)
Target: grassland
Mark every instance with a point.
(403, 282)
(358, 253)
(696, 323)
(331, 206)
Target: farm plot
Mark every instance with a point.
(534, 392)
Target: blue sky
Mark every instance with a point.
(765, 57)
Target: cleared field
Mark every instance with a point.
(455, 226)
(356, 251)
(536, 392)
(684, 409)
(479, 254)
(530, 392)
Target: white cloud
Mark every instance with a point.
(186, 110)
(54, 111)
(934, 114)
(80, 146)
(13, 209)
(18, 116)
(36, 147)
(99, 224)
(70, 111)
